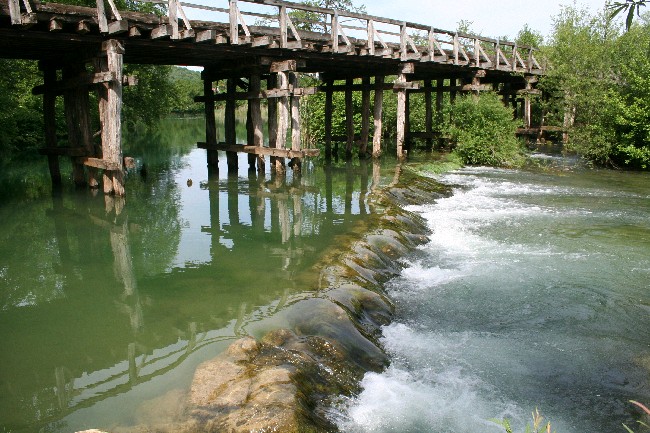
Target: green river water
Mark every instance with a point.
(533, 291)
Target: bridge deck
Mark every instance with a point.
(69, 38)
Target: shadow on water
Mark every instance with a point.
(105, 302)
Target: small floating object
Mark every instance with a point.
(189, 182)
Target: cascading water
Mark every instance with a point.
(533, 292)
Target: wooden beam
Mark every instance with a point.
(49, 114)
(269, 151)
(210, 123)
(230, 124)
(283, 118)
(349, 119)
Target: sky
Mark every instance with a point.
(489, 18)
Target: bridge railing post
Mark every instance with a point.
(172, 10)
(234, 22)
(335, 32)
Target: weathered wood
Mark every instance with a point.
(101, 17)
(256, 119)
(296, 131)
(205, 36)
(77, 120)
(110, 108)
(118, 27)
(284, 66)
(234, 22)
(265, 94)
(230, 124)
(365, 117)
(49, 113)
(55, 25)
(14, 12)
(210, 124)
(283, 118)
(401, 117)
(377, 114)
(172, 11)
(271, 83)
(162, 31)
(83, 27)
(270, 151)
(81, 81)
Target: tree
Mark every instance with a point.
(628, 7)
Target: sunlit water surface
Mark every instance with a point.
(533, 292)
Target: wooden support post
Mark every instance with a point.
(272, 83)
(230, 124)
(407, 122)
(296, 132)
(428, 104)
(234, 22)
(527, 104)
(453, 83)
(210, 121)
(250, 136)
(110, 109)
(329, 107)
(378, 112)
(349, 118)
(402, 108)
(49, 113)
(77, 113)
(365, 117)
(283, 120)
(172, 10)
(256, 119)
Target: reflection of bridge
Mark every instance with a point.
(114, 328)
(69, 38)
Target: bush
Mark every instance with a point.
(483, 131)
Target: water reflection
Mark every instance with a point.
(131, 296)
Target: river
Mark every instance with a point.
(532, 291)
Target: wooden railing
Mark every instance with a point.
(440, 46)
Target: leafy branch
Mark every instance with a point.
(629, 7)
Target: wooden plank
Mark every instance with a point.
(14, 12)
(99, 163)
(101, 17)
(284, 66)
(118, 27)
(234, 22)
(134, 32)
(205, 36)
(172, 13)
(268, 151)
(59, 87)
(162, 31)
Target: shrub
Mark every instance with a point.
(483, 131)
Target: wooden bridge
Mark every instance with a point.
(82, 49)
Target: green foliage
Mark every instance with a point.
(537, 427)
(187, 84)
(641, 423)
(529, 37)
(599, 83)
(628, 7)
(484, 131)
